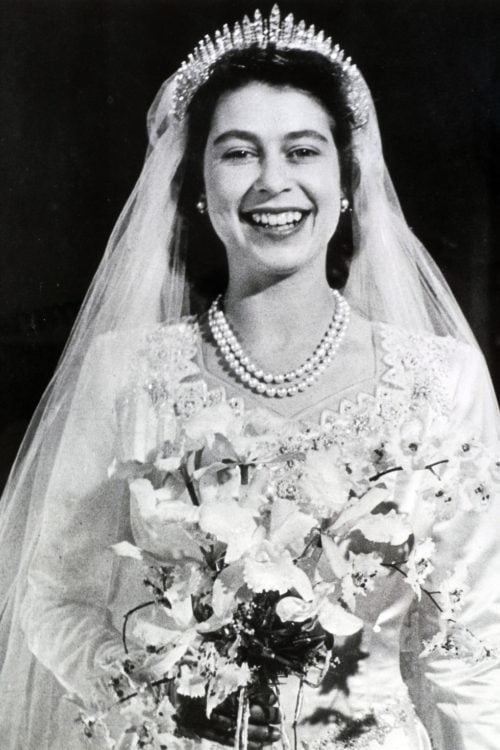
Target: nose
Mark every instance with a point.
(274, 175)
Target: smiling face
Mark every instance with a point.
(272, 180)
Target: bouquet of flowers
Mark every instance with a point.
(256, 538)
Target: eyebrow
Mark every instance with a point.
(246, 135)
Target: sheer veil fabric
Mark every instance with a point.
(140, 282)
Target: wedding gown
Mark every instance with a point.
(78, 591)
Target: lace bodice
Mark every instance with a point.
(416, 395)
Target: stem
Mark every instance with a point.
(296, 716)
(242, 697)
(436, 463)
(375, 477)
(314, 541)
(189, 486)
(126, 618)
(428, 593)
(244, 473)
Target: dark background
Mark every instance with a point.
(76, 79)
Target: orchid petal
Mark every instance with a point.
(338, 621)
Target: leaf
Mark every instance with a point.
(289, 527)
(386, 528)
(225, 588)
(361, 507)
(335, 556)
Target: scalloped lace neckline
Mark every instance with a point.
(387, 371)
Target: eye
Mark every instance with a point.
(238, 154)
(302, 153)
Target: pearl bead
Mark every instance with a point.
(263, 383)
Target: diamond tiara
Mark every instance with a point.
(261, 32)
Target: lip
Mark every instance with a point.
(274, 210)
(275, 230)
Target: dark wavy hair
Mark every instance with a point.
(206, 262)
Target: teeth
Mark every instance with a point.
(281, 219)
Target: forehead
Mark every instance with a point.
(269, 111)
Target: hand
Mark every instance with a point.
(263, 725)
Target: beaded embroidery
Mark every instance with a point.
(415, 375)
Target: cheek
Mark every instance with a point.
(223, 190)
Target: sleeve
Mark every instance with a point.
(457, 690)
(65, 612)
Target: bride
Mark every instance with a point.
(263, 262)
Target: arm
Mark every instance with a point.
(65, 613)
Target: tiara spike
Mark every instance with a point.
(310, 34)
(237, 36)
(258, 29)
(274, 24)
(247, 31)
(287, 29)
(284, 34)
(227, 39)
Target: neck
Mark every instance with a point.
(281, 322)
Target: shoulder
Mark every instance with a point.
(433, 367)
(160, 350)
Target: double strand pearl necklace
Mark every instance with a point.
(278, 385)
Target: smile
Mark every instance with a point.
(282, 222)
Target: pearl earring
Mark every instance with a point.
(344, 205)
(201, 206)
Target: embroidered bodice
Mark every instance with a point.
(414, 393)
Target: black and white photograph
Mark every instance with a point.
(250, 362)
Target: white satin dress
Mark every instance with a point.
(390, 698)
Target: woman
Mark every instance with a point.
(265, 175)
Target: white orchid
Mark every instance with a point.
(324, 607)
(419, 564)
